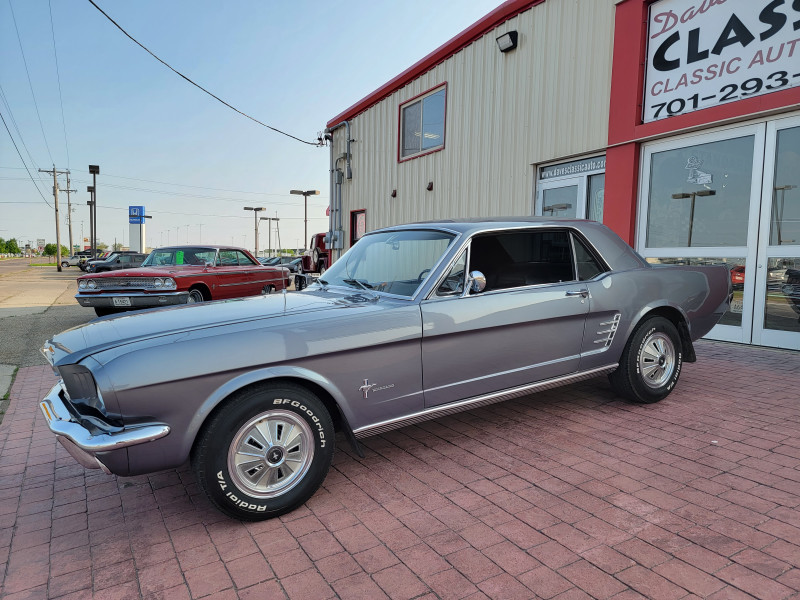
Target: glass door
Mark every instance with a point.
(776, 319)
(700, 205)
(562, 198)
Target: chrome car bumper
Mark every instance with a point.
(137, 299)
(83, 444)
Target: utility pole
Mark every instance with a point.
(69, 215)
(55, 173)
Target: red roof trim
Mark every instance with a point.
(502, 13)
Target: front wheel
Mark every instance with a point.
(195, 296)
(651, 362)
(64, 264)
(267, 290)
(264, 452)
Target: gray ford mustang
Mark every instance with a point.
(412, 323)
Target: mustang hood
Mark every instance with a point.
(101, 334)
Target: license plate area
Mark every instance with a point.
(737, 305)
(121, 301)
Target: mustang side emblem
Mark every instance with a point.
(372, 387)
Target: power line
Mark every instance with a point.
(23, 160)
(19, 134)
(58, 76)
(197, 187)
(143, 47)
(19, 39)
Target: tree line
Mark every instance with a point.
(9, 246)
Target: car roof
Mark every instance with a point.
(200, 246)
(616, 253)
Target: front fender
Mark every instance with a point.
(217, 396)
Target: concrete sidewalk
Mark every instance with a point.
(566, 494)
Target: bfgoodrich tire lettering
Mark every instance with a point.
(651, 362)
(265, 451)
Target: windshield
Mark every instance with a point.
(180, 256)
(395, 262)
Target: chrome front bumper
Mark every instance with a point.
(83, 444)
(137, 299)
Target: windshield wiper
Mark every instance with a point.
(364, 286)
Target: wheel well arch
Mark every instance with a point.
(203, 290)
(340, 422)
(677, 318)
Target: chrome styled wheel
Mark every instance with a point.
(195, 296)
(271, 453)
(264, 451)
(657, 359)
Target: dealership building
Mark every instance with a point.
(674, 122)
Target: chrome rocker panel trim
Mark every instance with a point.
(60, 423)
(478, 401)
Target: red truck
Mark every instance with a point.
(315, 259)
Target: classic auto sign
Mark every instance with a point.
(701, 53)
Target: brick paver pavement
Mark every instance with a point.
(566, 494)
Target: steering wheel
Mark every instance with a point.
(421, 276)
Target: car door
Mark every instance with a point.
(526, 326)
(230, 282)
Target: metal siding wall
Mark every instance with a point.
(548, 99)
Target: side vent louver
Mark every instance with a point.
(608, 332)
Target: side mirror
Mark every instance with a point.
(209, 264)
(477, 282)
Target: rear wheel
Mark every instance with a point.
(264, 452)
(64, 264)
(651, 362)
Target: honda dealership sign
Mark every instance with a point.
(702, 53)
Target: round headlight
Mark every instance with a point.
(91, 284)
(158, 282)
(82, 285)
(169, 283)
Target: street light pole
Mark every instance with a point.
(256, 210)
(693, 195)
(92, 245)
(95, 171)
(305, 195)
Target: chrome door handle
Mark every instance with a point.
(581, 293)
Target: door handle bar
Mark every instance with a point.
(581, 293)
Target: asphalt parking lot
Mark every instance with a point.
(567, 494)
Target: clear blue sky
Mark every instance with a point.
(293, 65)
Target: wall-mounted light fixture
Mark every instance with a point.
(507, 41)
(430, 186)
(394, 194)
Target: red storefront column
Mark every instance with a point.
(622, 179)
(622, 156)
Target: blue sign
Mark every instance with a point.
(136, 215)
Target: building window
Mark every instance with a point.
(422, 124)
(358, 225)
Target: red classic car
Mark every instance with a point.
(180, 275)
